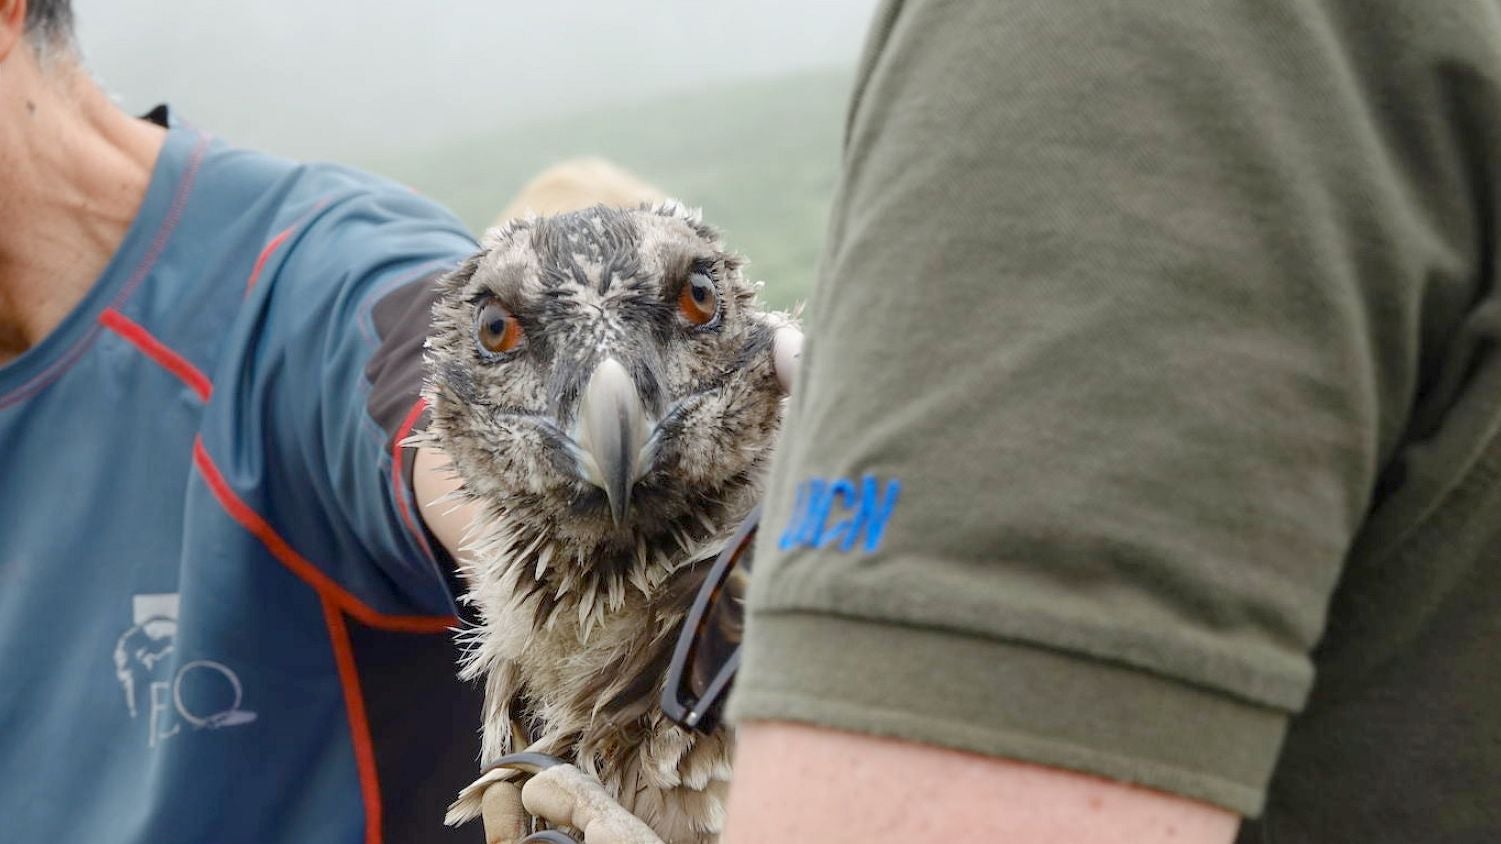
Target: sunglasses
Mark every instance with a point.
(708, 648)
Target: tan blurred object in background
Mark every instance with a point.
(580, 183)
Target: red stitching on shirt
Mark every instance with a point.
(334, 600)
(260, 261)
(359, 723)
(277, 240)
(169, 223)
(158, 351)
(158, 245)
(300, 566)
(51, 373)
(398, 488)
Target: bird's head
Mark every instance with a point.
(603, 383)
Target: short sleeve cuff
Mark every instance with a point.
(1007, 699)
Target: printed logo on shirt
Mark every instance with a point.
(840, 513)
(201, 694)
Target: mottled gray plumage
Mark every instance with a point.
(580, 594)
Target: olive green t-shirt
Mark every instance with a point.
(1148, 421)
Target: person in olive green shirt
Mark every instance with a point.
(1143, 473)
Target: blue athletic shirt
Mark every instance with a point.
(220, 617)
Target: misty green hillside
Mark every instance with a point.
(760, 158)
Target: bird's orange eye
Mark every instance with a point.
(699, 301)
(497, 329)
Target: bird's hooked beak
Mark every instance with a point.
(612, 431)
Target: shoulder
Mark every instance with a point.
(366, 223)
(315, 229)
(317, 207)
(306, 250)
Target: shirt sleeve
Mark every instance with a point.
(1119, 320)
(343, 315)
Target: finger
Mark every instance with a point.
(786, 350)
(565, 796)
(505, 819)
(550, 800)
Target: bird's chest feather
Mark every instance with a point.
(592, 698)
(569, 676)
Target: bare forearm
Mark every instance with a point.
(799, 783)
(432, 481)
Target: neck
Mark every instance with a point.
(73, 172)
(582, 581)
(526, 563)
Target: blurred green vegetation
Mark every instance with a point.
(760, 158)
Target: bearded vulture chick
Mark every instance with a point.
(603, 384)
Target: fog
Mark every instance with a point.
(354, 79)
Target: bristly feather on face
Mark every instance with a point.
(603, 384)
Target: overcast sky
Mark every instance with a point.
(350, 78)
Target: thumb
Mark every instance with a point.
(505, 819)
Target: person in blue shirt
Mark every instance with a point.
(222, 614)
(226, 588)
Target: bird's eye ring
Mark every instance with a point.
(496, 330)
(699, 301)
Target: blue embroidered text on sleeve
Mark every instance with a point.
(858, 511)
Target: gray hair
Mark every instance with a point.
(49, 25)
